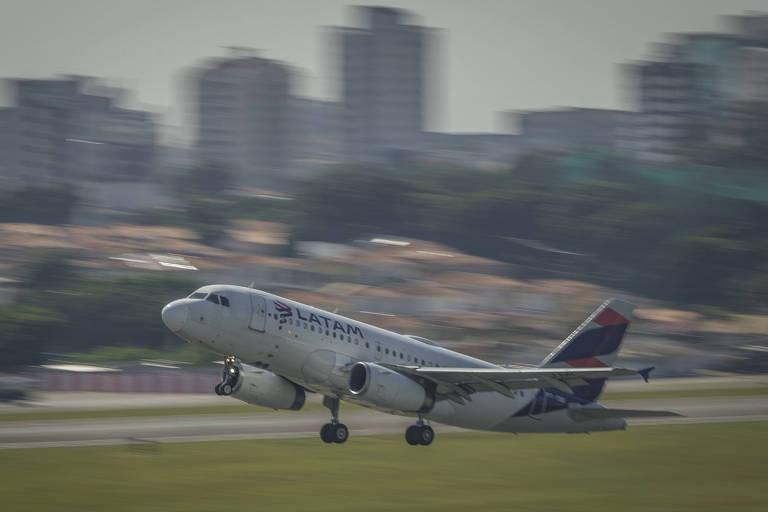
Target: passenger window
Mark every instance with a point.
(313, 328)
(401, 355)
(386, 351)
(378, 348)
(213, 298)
(366, 345)
(224, 301)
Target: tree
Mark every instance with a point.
(39, 204)
(24, 332)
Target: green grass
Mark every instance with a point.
(686, 393)
(671, 468)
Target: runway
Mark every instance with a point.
(169, 429)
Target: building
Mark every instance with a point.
(693, 92)
(569, 128)
(316, 135)
(7, 144)
(670, 102)
(243, 116)
(754, 62)
(72, 128)
(484, 151)
(383, 68)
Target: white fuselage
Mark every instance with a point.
(315, 349)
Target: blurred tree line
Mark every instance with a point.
(550, 216)
(46, 204)
(61, 310)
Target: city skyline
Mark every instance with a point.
(545, 45)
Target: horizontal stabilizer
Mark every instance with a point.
(590, 413)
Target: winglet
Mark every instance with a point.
(646, 372)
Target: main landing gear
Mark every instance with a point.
(229, 375)
(333, 432)
(419, 434)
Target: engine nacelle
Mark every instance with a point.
(388, 389)
(266, 389)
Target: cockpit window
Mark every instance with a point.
(198, 295)
(224, 301)
(213, 298)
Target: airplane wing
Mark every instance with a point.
(459, 383)
(596, 413)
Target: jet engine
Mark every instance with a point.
(260, 387)
(389, 389)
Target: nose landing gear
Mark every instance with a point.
(333, 432)
(419, 434)
(229, 376)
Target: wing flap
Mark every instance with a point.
(509, 379)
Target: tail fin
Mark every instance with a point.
(594, 343)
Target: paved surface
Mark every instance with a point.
(91, 401)
(39, 434)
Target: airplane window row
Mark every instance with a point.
(350, 339)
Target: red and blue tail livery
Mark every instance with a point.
(594, 344)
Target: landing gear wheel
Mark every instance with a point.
(426, 435)
(326, 433)
(217, 389)
(340, 433)
(412, 435)
(226, 389)
(333, 432)
(419, 434)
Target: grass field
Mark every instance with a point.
(664, 468)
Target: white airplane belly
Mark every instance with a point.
(486, 410)
(557, 422)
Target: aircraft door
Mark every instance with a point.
(258, 313)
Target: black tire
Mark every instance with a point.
(326, 434)
(426, 435)
(412, 435)
(217, 389)
(226, 389)
(340, 433)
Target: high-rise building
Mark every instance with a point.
(694, 91)
(569, 128)
(72, 129)
(243, 120)
(7, 144)
(383, 83)
(670, 101)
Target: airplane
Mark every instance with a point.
(278, 350)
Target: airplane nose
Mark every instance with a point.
(175, 315)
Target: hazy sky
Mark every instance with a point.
(495, 54)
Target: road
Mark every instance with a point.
(109, 431)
